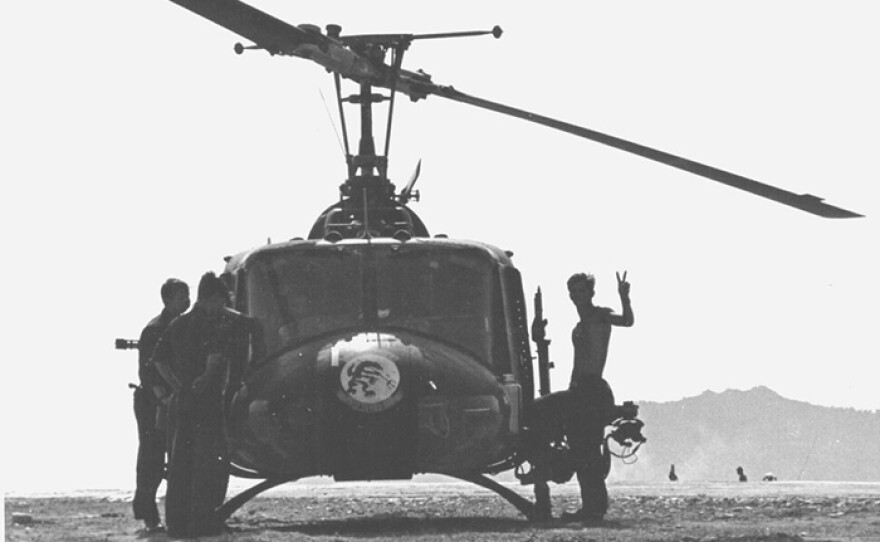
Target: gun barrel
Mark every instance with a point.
(542, 344)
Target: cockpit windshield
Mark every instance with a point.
(301, 294)
(443, 292)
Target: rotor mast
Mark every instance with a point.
(367, 180)
(366, 163)
(367, 183)
(368, 205)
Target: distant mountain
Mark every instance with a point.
(708, 436)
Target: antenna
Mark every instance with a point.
(333, 124)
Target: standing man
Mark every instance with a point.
(202, 356)
(148, 407)
(591, 398)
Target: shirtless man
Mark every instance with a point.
(591, 405)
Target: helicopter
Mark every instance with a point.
(390, 352)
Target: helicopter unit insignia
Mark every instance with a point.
(369, 383)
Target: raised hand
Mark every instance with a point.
(622, 285)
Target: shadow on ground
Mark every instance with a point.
(391, 526)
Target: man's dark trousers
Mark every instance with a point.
(198, 469)
(591, 409)
(150, 457)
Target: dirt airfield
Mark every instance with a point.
(375, 512)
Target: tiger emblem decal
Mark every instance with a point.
(369, 383)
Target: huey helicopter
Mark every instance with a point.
(390, 352)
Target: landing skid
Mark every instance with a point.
(233, 504)
(528, 508)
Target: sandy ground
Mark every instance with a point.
(399, 511)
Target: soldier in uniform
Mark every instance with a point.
(202, 355)
(591, 401)
(148, 409)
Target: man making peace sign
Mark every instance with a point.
(592, 401)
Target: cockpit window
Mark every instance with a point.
(441, 293)
(297, 295)
(444, 293)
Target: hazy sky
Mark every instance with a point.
(138, 146)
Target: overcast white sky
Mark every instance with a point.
(137, 146)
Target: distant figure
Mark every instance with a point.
(742, 474)
(149, 410)
(672, 476)
(591, 398)
(769, 477)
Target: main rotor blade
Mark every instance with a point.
(274, 35)
(277, 36)
(805, 202)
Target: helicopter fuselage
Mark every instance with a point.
(386, 359)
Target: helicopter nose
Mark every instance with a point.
(369, 406)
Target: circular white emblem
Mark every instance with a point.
(369, 383)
